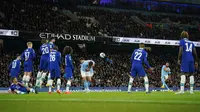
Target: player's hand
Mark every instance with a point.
(151, 69)
(179, 62)
(196, 65)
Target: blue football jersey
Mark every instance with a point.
(28, 55)
(68, 62)
(15, 66)
(18, 87)
(139, 56)
(188, 46)
(45, 50)
(55, 59)
(51, 45)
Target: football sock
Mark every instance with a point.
(38, 79)
(85, 84)
(146, 83)
(182, 84)
(24, 79)
(48, 79)
(191, 83)
(50, 84)
(130, 84)
(58, 84)
(27, 80)
(32, 90)
(42, 78)
(68, 85)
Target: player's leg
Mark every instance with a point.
(45, 68)
(142, 73)
(191, 70)
(39, 74)
(184, 70)
(52, 72)
(25, 74)
(182, 83)
(58, 83)
(31, 90)
(83, 74)
(164, 83)
(68, 77)
(133, 74)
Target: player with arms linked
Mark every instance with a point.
(44, 63)
(139, 57)
(28, 56)
(187, 52)
(14, 67)
(54, 66)
(69, 67)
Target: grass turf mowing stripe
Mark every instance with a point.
(109, 100)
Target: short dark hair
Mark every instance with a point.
(90, 63)
(18, 55)
(67, 50)
(52, 38)
(55, 47)
(81, 58)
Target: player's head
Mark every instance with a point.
(52, 39)
(67, 50)
(81, 60)
(44, 41)
(167, 64)
(184, 34)
(14, 80)
(18, 56)
(141, 45)
(29, 44)
(90, 64)
(55, 47)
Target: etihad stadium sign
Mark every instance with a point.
(72, 37)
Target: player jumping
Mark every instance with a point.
(44, 63)
(18, 88)
(139, 57)
(187, 51)
(69, 68)
(51, 45)
(28, 56)
(54, 66)
(87, 72)
(164, 75)
(14, 67)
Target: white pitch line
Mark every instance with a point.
(110, 100)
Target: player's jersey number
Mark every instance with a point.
(14, 64)
(45, 50)
(137, 56)
(188, 47)
(52, 57)
(27, 54)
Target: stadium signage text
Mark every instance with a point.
(4, 32)
(150, 41)
(67, 37)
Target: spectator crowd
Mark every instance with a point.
(25, 16)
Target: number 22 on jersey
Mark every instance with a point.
(137, 56)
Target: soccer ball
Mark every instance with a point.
(102, 55)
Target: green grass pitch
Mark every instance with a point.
(101, 102)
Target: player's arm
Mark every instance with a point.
(22, 56)
(180, 54)
(9, 67)
(146, 62)
(132, 57)
(195, 54)
(34, 55)
(71, 63)
(59, 58)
